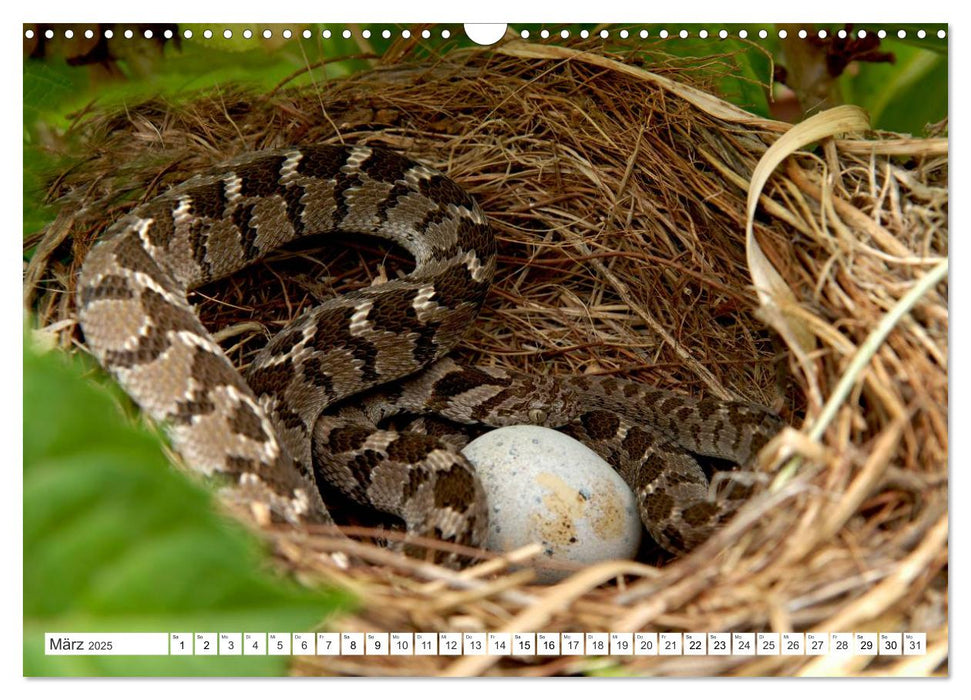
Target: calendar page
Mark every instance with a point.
(519, 349)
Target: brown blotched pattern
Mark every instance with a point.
(273, 433)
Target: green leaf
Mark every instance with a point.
(46, 87)
(115, 540)
(749, 87)
(930, 42)
(903, 96)
(37, 167)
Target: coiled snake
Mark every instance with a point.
(310, 405)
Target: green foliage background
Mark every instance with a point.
(114, 540)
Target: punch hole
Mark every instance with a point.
(485, 34)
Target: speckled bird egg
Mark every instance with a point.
(544, 486)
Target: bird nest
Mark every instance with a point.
(620, 198)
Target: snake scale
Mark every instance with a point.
(312, 412)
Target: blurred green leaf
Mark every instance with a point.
(115, 540)
(930, 42)
(46, 87)
(748, 86)
(903, 96)
(37, 167)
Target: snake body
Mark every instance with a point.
(311, 413)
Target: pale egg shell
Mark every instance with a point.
(544, 486)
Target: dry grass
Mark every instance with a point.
(619, 198)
